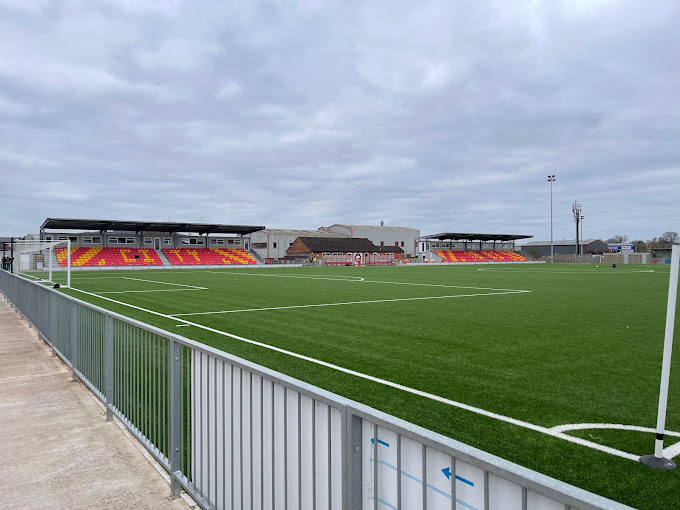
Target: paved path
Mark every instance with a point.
(56, 449)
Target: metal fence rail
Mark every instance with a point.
(236, 435)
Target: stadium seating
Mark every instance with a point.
(96, 257)
(208, 256)
(503, 256)
(460, 256)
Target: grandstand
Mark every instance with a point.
(466, 247)
(98, 243)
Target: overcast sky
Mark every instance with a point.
(439, 115)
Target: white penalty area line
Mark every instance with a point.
(587, 271)
(336, 278)
(184, 287)
(164, 283)
(384, 382)
(138, 291)
(346, 303)
(363, 280)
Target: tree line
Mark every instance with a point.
(666, 240)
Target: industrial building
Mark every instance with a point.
(380, 235)
(539, 249)
(270, 244)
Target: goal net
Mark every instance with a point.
(46, 262)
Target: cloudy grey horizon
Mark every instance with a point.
(436, 115)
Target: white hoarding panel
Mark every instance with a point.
(539, 502)
(438, 480)
(469, 487)
(503, 494)
(411, 474)
(321, 441)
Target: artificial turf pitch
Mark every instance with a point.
(581, 344)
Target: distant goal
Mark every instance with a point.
(46, 262)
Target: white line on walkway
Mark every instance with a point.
(345, 303)
(430, 396)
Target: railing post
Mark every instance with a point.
(176, 410)
(108, 366)
(74, 340)
(352, 475)
(51, 333)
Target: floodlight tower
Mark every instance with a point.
(577, 209)
(551, 179)
(582, 218)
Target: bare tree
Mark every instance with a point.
(617, 239)
(641, 246)
(670, 237)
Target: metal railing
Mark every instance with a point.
(236, 435)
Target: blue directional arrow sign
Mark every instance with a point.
(447, 473)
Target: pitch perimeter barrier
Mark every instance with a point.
(236, 435)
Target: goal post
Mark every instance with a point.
(47, 262)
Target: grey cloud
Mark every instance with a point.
(436, 115)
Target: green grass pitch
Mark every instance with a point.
(547, 345)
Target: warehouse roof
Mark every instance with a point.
(338, 244)
(469, 236)
(376, 227)
(301, 233)
(562, 242)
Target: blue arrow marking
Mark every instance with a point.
(447, 473)
(380, 442)
(431, 487)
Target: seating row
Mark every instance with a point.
(96, 257)
(208, 256)
(503, 256)
(460, 256)
(479, 256)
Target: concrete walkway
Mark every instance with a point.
(56, 449)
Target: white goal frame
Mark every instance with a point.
(27, 260)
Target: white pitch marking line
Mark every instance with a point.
(617, 426)
(338, 279)
(345, 303)
(671, 451)
(360, 279)
(137, 291)
(437, 398)
(96, 277)
(163, 283)
(611, 271)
